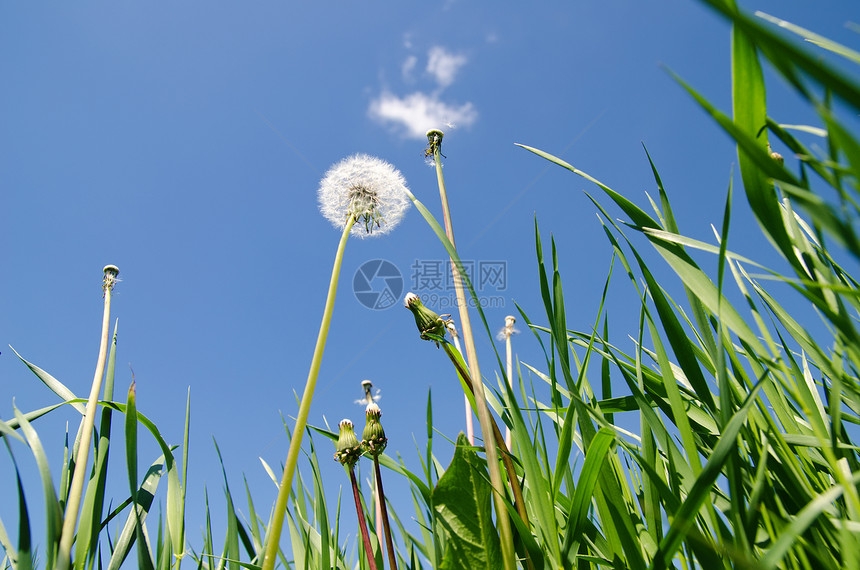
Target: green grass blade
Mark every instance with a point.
(581, 504)
(145, 495)
(24, 554)
(812, 37)
(701, 490)
(53, 384)
(787, 57)
(86, 540)
(53, 512)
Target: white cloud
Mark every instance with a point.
(419, 112)
(444, 65)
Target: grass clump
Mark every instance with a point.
(731, 444)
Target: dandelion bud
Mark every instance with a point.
(366, 188)
(348, 447)
(373, 438)
(426, 320)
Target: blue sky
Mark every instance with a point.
(184, 143)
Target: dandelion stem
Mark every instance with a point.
(497, 435)
(272, 541)
(362, 524)
(508, 332)
(504, 523)
(470, 429)
(67, 536)
(389, 544)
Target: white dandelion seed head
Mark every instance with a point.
(367, 187)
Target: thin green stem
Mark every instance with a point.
(497, 435)
(274, 534)
(67, 536)
(389, 544)
(504, 523)
(470, 429)
(362, 524)
(508, 371)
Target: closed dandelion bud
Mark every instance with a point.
(348, 447)
(373, 437)
(426, 320)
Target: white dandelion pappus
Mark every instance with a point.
(367, 187)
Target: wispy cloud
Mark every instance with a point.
(415, 114)
(444, 65)
(407, 67)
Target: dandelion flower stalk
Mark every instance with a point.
(506, 333)
(67, 534)
(359, 188)
(373, 441)
(349, 449)
(367, 386)
(505, 534)
(470, 428)
(497, 435)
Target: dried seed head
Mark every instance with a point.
(110, 278)
(348, 447)
(434, 143)
(368, 188)
(508, 330)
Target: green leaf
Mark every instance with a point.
(55, 385)
(53, 516)
(581, 504)
(701, 490)
(812, 37)
(25, 555)
(462, 501)
(145, 494)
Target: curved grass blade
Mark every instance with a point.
(52, 383)
(582, 497)
(701, 490)
(53, 512)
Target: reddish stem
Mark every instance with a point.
(389, 545)
(365, 536)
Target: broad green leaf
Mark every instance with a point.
(462, 501)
